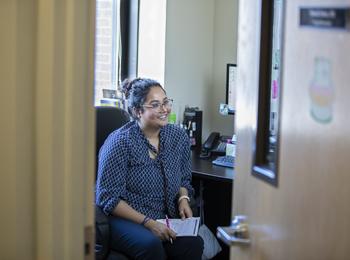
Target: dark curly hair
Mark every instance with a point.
(135, 92)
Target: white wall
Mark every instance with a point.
(189, 54)
(225, 45)
(200, 40)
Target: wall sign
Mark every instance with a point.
(328, 18)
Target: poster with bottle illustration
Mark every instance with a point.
(321, 91)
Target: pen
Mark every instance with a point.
(168, 225)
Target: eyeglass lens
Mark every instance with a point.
(167, 104)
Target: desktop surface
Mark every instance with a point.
(204, 168)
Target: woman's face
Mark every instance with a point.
(155, 111)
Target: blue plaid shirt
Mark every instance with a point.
(126, 171)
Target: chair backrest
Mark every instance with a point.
(108, 119)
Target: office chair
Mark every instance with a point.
(108, 119)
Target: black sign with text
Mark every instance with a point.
(320, 17)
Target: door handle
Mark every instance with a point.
(237, 233)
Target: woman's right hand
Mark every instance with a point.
(160, 230)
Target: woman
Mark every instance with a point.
(144, 174)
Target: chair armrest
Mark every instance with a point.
(102, 236)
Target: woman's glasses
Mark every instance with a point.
(156, 106)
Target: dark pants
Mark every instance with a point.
(138, 242)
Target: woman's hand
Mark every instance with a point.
(160, 230)
(185, 210)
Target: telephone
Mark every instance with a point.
(215, 144)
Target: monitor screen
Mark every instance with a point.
(231, 81)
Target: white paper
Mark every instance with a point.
(186, 227)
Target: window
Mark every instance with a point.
(266, 150)
(151, 43)
(123, 50)
(107, 52)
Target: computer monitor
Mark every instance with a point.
(231, 81)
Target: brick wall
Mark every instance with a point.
(105, 20)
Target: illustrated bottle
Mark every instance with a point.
(321, 91)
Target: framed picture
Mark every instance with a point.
(231, 81)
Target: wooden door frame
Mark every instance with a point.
(48, 134)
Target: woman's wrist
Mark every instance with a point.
(145, 220)
(183, 198)
(149, 223)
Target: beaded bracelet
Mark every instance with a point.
(183, 197)
(145, 220)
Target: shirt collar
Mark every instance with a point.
(162, 139)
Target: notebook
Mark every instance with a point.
(186, 227)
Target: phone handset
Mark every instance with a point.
(211, 141)
(209, 144)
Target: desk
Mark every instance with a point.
(214, 185)
(202, 168)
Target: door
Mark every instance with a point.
(307, 215)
